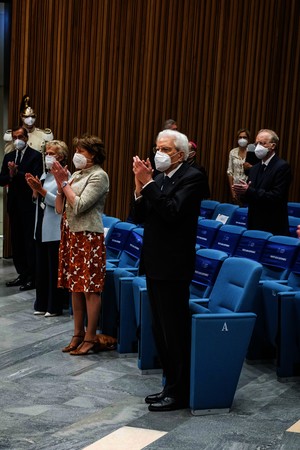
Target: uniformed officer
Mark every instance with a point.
(37, 137)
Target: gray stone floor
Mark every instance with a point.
(51, 400)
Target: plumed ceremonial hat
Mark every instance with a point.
(25, 109)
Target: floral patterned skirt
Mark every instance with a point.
(82, 260)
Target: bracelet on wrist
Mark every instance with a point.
(58, 193)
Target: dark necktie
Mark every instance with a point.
(19, 155)
(261, 172)
(165, 182)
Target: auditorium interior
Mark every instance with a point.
(118, 69)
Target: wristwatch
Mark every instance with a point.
(64, 184)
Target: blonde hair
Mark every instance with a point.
(62, 149)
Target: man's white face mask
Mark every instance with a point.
(261, 151)
(29, 121)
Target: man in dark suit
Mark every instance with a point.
(266, 192)
(20, 207)
(168, 206)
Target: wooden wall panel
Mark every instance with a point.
(119, 68)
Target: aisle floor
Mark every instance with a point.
(51, 400)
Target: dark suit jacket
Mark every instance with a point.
(170, 223)
(267, 197)
(19, 196)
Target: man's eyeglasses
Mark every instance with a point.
(165, 149)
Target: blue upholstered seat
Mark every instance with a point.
(116, 240)
(129, 259)
(109, 223)
(277, 260)
(294, 209)
(274, 292)
(147, 353)
(219, 345)
(126, 324)
(251, 244)
(239, 217)
(278, 257)
(224, 212)
(293, 224)
(207, 266)
(227, 238)
(234, 289)
(207, 208)
(288, 337)
(206, 232)
(221, 330)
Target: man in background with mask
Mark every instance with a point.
(266, 192)
(169, 207)
(20, 207)
(37, 137)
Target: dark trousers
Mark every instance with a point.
(22, 242)
(171, 324)
(49, 297)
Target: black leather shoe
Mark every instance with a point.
(27, 286)
(154, 398)
(16, 282)
(166, 404)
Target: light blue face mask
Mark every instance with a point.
(19, 144)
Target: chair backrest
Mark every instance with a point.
(117, 274)
(131, 253)
(206, 232)
(294, 276)
(278, 257)
(294, 209)
(117, 239)
(207, 266)
(207, 208)
(251, 244)
(293, 224)
(224, 212)
(236, 286)
(109, 223)
(227, 238)
(239, 217)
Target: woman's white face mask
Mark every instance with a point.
(49, 160)
(243, 142)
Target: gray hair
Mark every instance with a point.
(62, 148)
(274, 136)
(168, 124)
(181, 142)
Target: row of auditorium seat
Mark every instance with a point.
(231, 214)
(126, 293)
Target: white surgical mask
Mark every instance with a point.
(49, 160)
(243, 142)
(29, 121)
(162, 160)
(19, 144)
(261, 151)
(79, 161)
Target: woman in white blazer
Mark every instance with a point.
(49, 298)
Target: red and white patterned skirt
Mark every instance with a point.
(82, 260)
